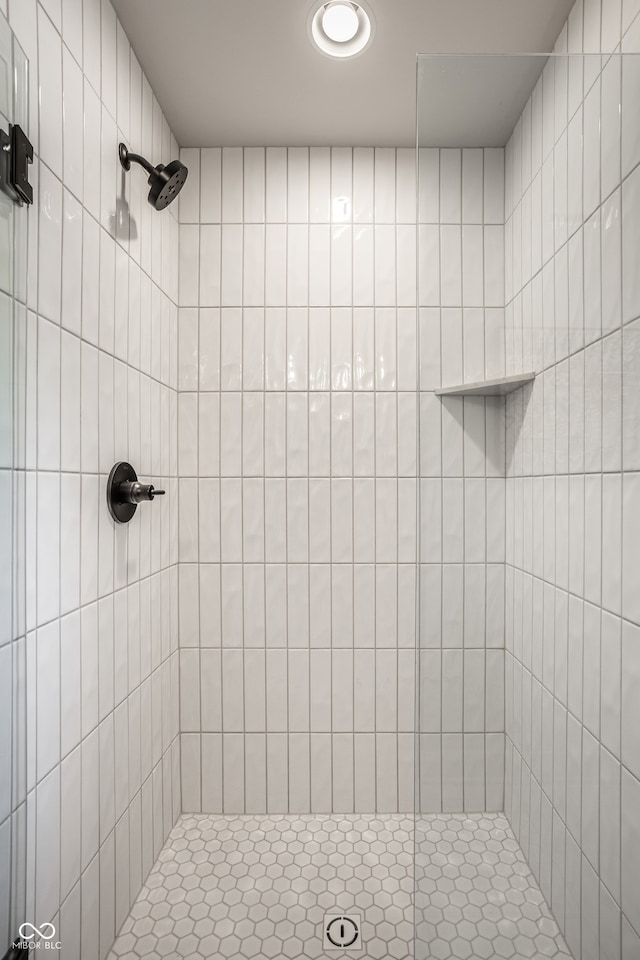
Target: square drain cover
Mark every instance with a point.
(341, 931)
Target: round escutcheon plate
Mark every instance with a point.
(121, 511)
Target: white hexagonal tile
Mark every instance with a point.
(259, 886)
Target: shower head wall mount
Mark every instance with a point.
(165, 182)
(125, 492)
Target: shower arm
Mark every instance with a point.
(126, 159)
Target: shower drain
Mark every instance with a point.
(341, 932)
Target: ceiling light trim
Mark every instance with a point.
(341, 49)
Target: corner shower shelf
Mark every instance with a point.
(487, 388)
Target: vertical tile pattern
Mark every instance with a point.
(13, 331)
(462, 480)
(98, 326)
(297, 421)
(572, 613)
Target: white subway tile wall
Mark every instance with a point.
(297, 463)
(99, 324)
(573, 490)
(297, 425)
(462, 477)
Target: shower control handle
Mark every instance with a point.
(135, 492)
(125, 492)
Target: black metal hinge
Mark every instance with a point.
(16, 153)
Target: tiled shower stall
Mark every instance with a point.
(393, 633)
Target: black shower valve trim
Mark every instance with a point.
(125, 492)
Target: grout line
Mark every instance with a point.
(286, 480)
(396, 450)
(241, 487)
(198, 583)
(267, 804)
(441, 485)
(374, 160)
(309, 661)
(332, 691)
(354, 664)
(219, 551)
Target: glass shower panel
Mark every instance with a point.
(528, 212)
(13, 273)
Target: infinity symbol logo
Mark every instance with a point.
(40, 930)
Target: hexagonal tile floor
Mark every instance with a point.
(476, 898)
(260, 887)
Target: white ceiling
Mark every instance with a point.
(473, 100)
(243, 72)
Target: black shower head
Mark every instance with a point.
(165, 182)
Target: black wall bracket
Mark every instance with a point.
(16, 153)
(125, 492)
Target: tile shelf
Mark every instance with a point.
(487, 388)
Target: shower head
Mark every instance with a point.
(165, 182)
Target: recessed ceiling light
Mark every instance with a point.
(340, 28)
(340, 21)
